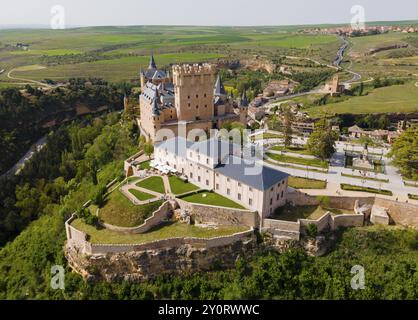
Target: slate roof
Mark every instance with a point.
(219, 87)
(251, 173)
(244, 100)
(152, 64)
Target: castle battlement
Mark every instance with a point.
(196, 69)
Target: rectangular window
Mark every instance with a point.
(239, 184)
(207, 182)
(217, 186)
(239, 196)
(251, 189)
(198, 178)
(250, 202)
(228, 192)
(207, 161)
(271, 201)
(282, 194)
(278, 197)
(191, 175)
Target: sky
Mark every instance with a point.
(202, 12)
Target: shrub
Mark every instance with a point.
(312, 230)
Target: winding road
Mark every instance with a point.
(26, 81)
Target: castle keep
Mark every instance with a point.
(192, 98)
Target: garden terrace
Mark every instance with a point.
(300, 161)
(166, 230)
(120, 211)
(179, 186)
(141, 196)
(305, 183)
(212, 199)
(154, 183)
(349, 187)
(297, 150)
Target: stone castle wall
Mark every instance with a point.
(205, 214)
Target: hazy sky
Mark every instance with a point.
(202, 12)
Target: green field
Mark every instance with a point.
(118, 53)
(211, 198)
(155, 184)
(141, 196)
(291, 149)
(164, 231)
(120, 211)
(301, 161)
(304, 183)
(179, 186)
(349, 187)
(397, 98)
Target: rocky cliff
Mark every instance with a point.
(136, 266)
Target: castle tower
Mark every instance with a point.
(194, 94)
(243, 108)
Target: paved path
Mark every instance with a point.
(125, 190)
(337, 168)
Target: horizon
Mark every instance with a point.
(270, 13)
(69, 27)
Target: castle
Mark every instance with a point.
(193, 97)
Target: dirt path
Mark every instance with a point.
(30, 81)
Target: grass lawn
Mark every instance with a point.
(145, 165)
(291, 149)
(289, 213)
(294, 167)
(301, 161)
(164, 231)
(349, 187)
(363, 178)
(265, 136)
(120, 211)
(212, 199)
(155, 184)
(141, 196)
(179, 186)
(397, 98)
(304, 183)
(413, 196)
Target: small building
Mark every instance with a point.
(217, 165)
(334, 88)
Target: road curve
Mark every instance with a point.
(9, 75)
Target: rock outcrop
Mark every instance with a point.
(137, 266)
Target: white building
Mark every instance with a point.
(217, 165)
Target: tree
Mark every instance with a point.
(361, 89)
(287, 127)
(149, 149)
(405, 153)
(321, 143)
(93, 171)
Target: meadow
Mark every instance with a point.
(118, 53)
(397, 98)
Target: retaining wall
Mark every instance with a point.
(78, 239)
(206, 214)
(157, 218)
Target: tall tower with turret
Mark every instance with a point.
(193, 88)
